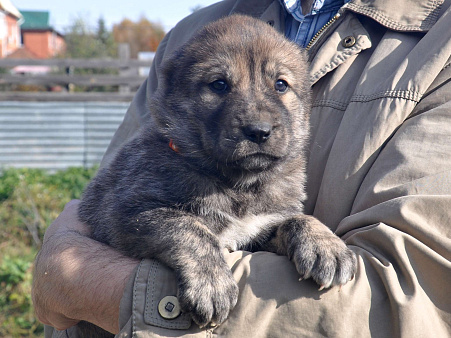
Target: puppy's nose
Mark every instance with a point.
(258, 132)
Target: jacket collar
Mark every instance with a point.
(255, 8)
(400, 15)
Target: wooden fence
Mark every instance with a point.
(62, 73)
(57, 130)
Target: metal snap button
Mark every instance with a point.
(348, 41)
(270, 22)
(169, 307)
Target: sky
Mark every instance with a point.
(63, 12)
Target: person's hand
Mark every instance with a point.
(49, 309)
(77, 278)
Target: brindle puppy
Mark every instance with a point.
(220, 164)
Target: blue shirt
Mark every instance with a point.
(301, 27)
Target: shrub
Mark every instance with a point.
(30, 199)
(16, 314)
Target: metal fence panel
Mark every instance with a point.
(57, 135)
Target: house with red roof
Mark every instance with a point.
(27, 34)
(39, 37)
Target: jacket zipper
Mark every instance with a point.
(321, 31)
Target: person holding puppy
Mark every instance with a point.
(379, 175)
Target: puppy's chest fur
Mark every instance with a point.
(242, 233)
(241, 219)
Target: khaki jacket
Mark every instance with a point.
(379, 175)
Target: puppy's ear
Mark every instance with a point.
(167, 74)
(173, 70)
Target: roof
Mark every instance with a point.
(8, 7)
(36, 20)
(22, 53)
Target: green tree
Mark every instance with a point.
(83, 42)
(195, 8)
(106, 38)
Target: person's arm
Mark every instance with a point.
(77, 278)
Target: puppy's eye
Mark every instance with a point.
(219, 86)
(281, 86)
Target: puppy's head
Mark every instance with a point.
(236, 97)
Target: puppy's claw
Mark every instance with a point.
(301, 279)
(213, 324)
(321, 287)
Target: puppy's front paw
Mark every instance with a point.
(328, 265)
(320, 254)
(208, 295)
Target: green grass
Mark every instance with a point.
(30, 199)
